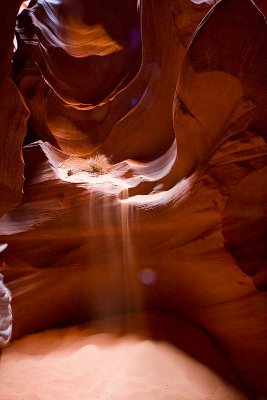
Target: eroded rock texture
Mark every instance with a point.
(178, 222)
(13, 117)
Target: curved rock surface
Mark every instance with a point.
(175, 219)
(73, 58)
(13, 116)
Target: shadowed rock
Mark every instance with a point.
(177, 223)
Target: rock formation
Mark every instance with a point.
(174, 94)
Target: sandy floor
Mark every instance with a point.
(117, 359)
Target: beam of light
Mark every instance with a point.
(24, 5)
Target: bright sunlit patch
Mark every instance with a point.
(15, 44)
(93, 170)
(95, 166)
(85, 177)
(177, 194)
(24, 5)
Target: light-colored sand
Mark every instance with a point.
(112, 360)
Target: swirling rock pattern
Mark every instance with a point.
(178, 222)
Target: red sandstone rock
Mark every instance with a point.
(13, 116)
(92, 52)
(192, 234)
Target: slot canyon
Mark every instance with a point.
(133, 200)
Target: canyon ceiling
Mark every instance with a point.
(172, 97)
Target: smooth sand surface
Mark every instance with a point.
(134, 357)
